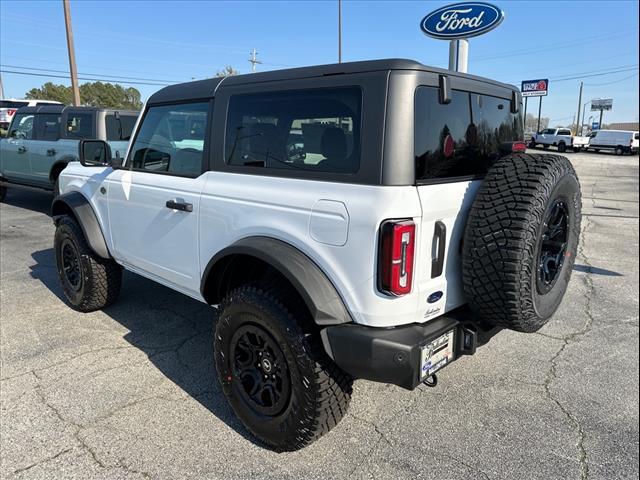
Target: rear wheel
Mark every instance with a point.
(562, 147)
(521, 239)
(619, 150)
(89, 282)
(274, 370)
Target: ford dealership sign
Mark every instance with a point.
(462, 20)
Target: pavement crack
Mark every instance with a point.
(552, 373)
(40, 462)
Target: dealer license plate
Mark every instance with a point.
(437, 354)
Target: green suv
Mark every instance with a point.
(42, 140)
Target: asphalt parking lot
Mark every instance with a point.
(130, 392)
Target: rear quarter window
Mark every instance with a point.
(462, 138)
(310, 130)
(119, 128)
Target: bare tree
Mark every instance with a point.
(227, 71)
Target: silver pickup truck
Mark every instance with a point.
(42, 140)
(561, 138)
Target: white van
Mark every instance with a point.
(620, 141)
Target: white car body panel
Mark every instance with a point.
(174, 247)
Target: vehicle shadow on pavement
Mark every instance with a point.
(35, 200)
(172, 329)
(596, 270)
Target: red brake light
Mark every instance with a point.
(517, 147)
(11, 111)
(397, 245)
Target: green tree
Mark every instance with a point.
(227, 71)
(96, 94)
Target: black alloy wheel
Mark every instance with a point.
(72, 271)
(262, 374)
(553, 246)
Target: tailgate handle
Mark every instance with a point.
(440, 244)
(22, 149)
(51, 151)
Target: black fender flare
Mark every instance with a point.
(318, 292)
(61, 161)
(86, 217)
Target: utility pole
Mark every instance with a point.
(539, 113)
(579, 105)
(339, 31)
(72, 55)
(1, 87)
(253, 60)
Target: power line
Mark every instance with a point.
(610, 83)
(94, 74)
(81, 78)
(554, 45)
(596, 73)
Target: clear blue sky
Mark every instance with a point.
(168, 41)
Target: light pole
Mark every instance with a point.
(584, 109)
(339, 31)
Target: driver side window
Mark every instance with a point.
(22, 126)
(171, 140)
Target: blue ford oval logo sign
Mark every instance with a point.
(462, 20)
(434, 297)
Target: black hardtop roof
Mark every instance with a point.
(201, 89)
(61, 108)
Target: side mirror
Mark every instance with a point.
(94, 153)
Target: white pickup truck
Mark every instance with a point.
(581, 143)
(562, 138)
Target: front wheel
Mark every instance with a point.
(88, 281)
(274, 371)
(619, 150)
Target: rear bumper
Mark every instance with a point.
(394, 355)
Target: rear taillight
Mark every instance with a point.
(397, 245)
(11, 111)
(518, 147)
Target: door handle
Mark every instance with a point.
(439, 237)
(182, 206)
(51, 151)
(22, 149)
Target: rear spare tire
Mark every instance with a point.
(521, 239)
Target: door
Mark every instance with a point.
(455, 144)
(15, 155)
(44, 147)
(154, 200)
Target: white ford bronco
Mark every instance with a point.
(374, 220)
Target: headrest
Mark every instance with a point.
(333, 144)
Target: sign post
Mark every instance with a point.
(535, 88)
(601, 104)
(456, 23)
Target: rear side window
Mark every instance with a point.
(462, 138)
(12, 104)
(22, 126)
(119, 128)
(171, 140)
(48, 126)
(311, 130)
(79, 125)
(564, 132)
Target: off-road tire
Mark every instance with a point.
(503, 240)
(56, 187)
(319, 390)
(101, 278)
